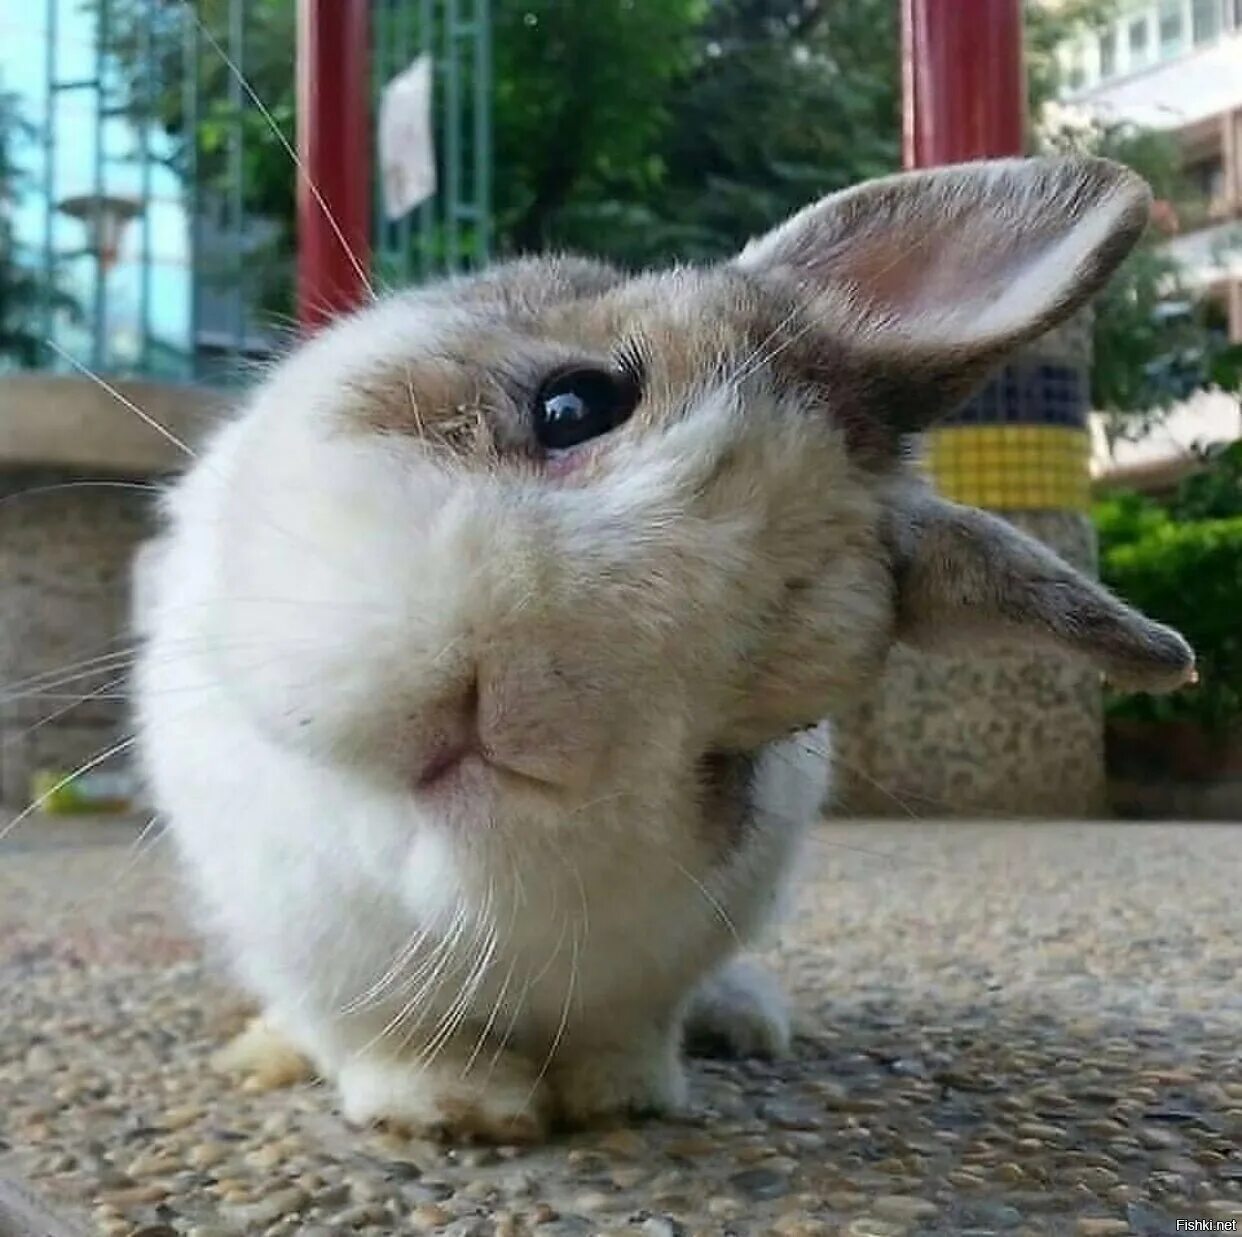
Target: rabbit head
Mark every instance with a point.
(588, 528)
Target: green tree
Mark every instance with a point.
(584, 93)
(782, 101)
(629, 128)
(581, 97)
(1155, 340)
(21, 291)
(1180, 560)
(183, 71)
(645, 130)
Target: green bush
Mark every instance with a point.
(1216, 492)
(1187, 573)
(1124, 518)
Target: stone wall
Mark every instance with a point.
(65, 548)
(1015, 731)
(75, 460)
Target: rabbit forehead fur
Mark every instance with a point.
(708, 578)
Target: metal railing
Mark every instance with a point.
(157, 207)
(452, 230)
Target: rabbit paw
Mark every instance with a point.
(739, 1012)
(264, 1058)
(500, 1104)
(642, 1078)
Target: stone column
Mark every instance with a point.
(1013, 730)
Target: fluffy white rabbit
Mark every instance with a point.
(482, 645)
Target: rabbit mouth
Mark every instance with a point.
(447, 764)
(459, 780)
(466, 770)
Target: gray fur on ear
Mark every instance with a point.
(963, 575)
(932, 278)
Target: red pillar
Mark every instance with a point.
(334, 148)
(963, 82)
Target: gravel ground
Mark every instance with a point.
(1018, 1029)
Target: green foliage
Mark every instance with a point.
(582, 96)
(637, 130)
(1047, 26)
(782, 101)
(1181, 563)
(162, 50)
(19, 296)
(1190, 576)
(1215, 492)
(1154, 341)
(1124, 518)
(24, 294)
(649, 130)
(158, 50)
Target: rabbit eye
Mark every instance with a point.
(576, 405)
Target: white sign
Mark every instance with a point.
(406, 145)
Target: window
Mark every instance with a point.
(1108, 54)
(1205, 18)
(1202, 201)
(1207, 177)
(1172, 32)
(1140, 51)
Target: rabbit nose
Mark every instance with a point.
(448, 726)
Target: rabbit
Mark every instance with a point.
(489, 654)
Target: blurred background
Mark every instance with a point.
(148, 237)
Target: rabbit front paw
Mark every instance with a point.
(641, 1078)
(263, 1058)
(501, 1102)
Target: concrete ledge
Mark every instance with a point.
(1150, 477)
(67, 421)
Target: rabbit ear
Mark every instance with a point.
(939, 274)
(963, 575)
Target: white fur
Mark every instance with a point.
(312, 611)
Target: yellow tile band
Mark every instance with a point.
(1012, 467)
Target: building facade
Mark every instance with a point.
(1176, 66)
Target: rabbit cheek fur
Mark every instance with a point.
(336, 608)
(483, 762)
